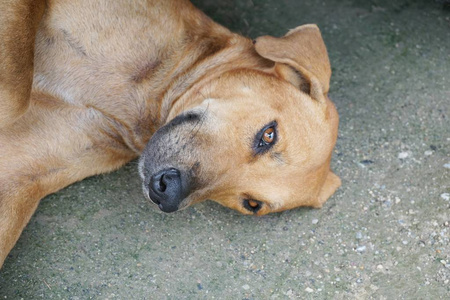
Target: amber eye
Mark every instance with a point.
(269, 135)
(252, 205)
(265, 138)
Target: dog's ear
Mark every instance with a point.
(301, 58)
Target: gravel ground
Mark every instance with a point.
(384, 235)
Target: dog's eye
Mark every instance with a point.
(266, 137)
(252, 205)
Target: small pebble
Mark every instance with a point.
(315, 221)
(428, 153)
(361, 249)
(403, 155)
(245, 286)
(445, 196)
(309, 290)
(447, 166)
(380, 267)
(397, 200)
(358, 235)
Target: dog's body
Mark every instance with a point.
(108, 74)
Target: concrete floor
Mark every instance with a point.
(384, 235)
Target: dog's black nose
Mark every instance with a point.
(167, 189)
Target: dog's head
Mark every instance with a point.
(255, 141)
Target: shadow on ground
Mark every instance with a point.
(384, 235)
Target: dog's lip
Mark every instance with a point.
(154, 197)
(147, 194)
(157, 202)
(183, 205)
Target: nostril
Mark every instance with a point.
(164, 181)
(162, 184)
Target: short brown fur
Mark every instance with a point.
(85, 84)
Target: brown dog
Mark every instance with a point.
(246, 124)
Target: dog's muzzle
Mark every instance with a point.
(167, 189)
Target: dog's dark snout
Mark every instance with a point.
(168, 189)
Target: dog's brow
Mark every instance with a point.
(185, 118)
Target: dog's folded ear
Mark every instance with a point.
(301, 58)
